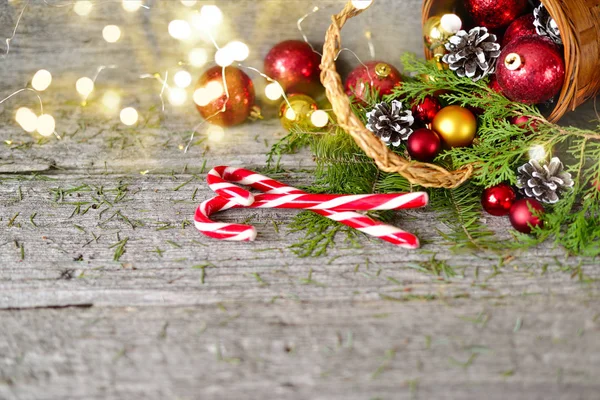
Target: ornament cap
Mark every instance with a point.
(383, 70)
(513, 61)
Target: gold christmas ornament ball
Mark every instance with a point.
(298, 111)
(456, 126)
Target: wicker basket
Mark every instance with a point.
(579, 24)
(582, 52)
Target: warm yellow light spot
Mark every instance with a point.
(180, 29)
(182, 79)
(84, 86)
(45, 125)
(189, 3)
(319, 118)
(290, 114)
(211, 15)
(198, 57)
(41, 80)
(177, 96)
(361, 4)
(273, 91)
(83, 8)
(111, 33)
(223, 57)
(215, 133)
(132, 5)
(537, 152)
(212, 91)
(27, 119)
(129, 116)
(111, 100)
(239, 51)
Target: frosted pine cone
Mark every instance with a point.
(545, 25)
(472, 54)
(544, 182)
(390, 122)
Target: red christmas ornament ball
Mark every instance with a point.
(424, 145)
(427, 109)
(497, 200)
(522, 26)
(531, 70)
(493, 84)
(376, 75)
(521, 217)
(211, 98)
(495, 14)
(523, 121)
(296, 67)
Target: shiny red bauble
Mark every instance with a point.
(495, 14)
(497, 200)
(521, 216)
(211, 97)
(525, 122)
(295, 65)
(493, 84)
(426, 110)
(424, 145)
(522, 26)
(373, 75)
(531, 70)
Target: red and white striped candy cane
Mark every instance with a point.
(279, 195)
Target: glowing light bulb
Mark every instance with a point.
(83, 8)
(290, 114)
(238, 50)
(177, 96)
(84, 86)
(45, 125)
(319, 118)
(182, 79)
(111, 100)
(132, 5)
(27, 119)
(451, 23)
(273, 91)
(41, 80)
(211, 15)
(129, 116)
(189, 3)
(198, 57)
(212, 91)
(223, 57)
(537, 152)
(361, 4)
(215, 133)
(179, 29)
(111, 33)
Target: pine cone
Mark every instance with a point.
(472, 54)
(545, 25)
(390, 122)
(544, 182)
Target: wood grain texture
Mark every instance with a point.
(108, 292)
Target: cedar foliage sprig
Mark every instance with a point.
(501, 147)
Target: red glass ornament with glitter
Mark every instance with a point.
(521, 216)
(498, 200)
(531, 70)
(426, 111)
(522, 26)
(495, 14)
(373, 75)
(295, 65)
(211, 96)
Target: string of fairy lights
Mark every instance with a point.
(203, 21)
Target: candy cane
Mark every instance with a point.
(279, 195)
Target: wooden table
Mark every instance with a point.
(108, 292)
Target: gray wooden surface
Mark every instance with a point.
(107, 291)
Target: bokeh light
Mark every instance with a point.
(211, 15)
(189, 3)
(41, 80)
(111, 100)
(239, 51)
(182, 79)
(111, 33)
(177, 96)
(45, 125)
(180, 29)
(215, 133)
(84, 86)
(129, 116)
(537, 152)
(319, 118)
(361, 4)
(27, 119)
(212, 91)
(223, 57)
(273, 91)
(132, 5)
(83, 8)
(198, 57)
